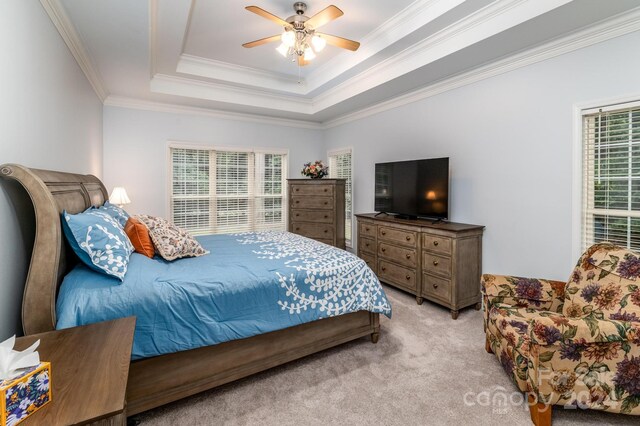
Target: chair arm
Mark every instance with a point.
(523, 292)
(550, 328)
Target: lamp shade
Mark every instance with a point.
(119, 196)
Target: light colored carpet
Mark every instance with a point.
(422, 371)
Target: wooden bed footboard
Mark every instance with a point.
(167, 378)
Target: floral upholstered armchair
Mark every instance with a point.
(576, 343)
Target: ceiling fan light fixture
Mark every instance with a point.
(318, 43)
(288, 38)
(283, 49)
(309, 54)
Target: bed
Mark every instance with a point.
(157, 378)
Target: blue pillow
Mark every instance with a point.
(115, 212)
(99, 241)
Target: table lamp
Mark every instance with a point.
(119, 197)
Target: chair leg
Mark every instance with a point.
(487, 345)
(540, 413)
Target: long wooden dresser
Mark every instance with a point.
(440, 262)
(317, 209)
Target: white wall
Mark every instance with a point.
(136, 148)
(510, 142)
(50, 118)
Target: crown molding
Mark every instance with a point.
(618, 26)
(61, 21)
(405, 22)
(232, 73)
(141, 104)
(488, 21)
(173, 85)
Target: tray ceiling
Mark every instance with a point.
(188, 52)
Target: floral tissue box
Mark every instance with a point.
(23, 395)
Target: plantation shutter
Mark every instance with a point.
(340, 168)
(216, 191)
(611, 176)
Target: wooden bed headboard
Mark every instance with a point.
(50, 192)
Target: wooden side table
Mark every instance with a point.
(89, 371)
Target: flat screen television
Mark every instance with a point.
(412, 189)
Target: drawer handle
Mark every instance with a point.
(408, 237)
(297, 229)
(435, 243)
(297, 189)
(383, 268)
(297, 201)
(435, 263)
(383, 249)
(435, 285)
(408, 256)
(326, 217)
(326, 202)
(366, 244)
(297, 214)
(325, 190)
(408, 277)
(383, 232)
(366, 229)
(326, 230)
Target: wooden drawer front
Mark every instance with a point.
(371, 261)
(323, 203)
(397, 275)
(400, 236)
(311, 216)
(326, 190)
(330, 242)
(312, 230)
(367, 245)
(435, 264)
(367, 229)
(436, 243)
(403, 256)
(438, 287)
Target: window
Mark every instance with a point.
(611, 176)
(340, 168)
(215, 191)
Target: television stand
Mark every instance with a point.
(434, 260)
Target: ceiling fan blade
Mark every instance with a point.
(324, 17)
(344, 43)
(262, 41)
(265, 14)
(302, 62)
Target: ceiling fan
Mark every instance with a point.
(300, 40)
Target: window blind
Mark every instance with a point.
(217, 191)
(611, 176)
(340, 168)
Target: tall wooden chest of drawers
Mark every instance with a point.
(440, 262)
(317, 209)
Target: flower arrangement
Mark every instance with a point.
(315, 170)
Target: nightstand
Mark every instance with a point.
(89, 372)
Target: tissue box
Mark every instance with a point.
(23, 395)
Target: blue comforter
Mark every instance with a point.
(249, 284)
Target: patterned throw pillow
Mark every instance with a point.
(115, 212)
(170, 241)
(99, 241)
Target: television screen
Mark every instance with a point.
(418, 188)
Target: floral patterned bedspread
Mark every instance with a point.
(249, 284)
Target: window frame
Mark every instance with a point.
(578, 198)
(341, 151)
(252, 181)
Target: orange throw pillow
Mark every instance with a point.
(139, 236)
